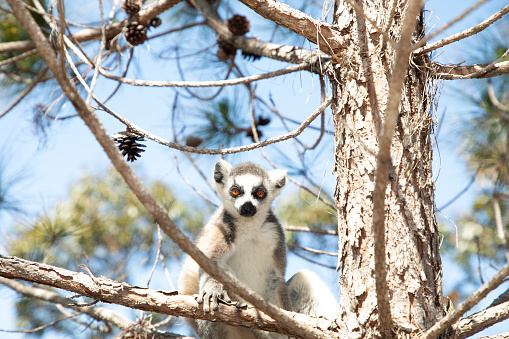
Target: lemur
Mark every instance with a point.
(245, 237)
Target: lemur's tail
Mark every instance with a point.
(309, 295)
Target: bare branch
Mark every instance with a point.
(149, 12)
(219, 83)
(96, 312)
(309, 230)
(26, 91)
(494, 100)
(504, 335)
(383, 162)
(316, 31)
(295, 55)
(471, 301)
(477, 322)
(224, 151)
(464, 34)
(453, 72)
(312, 250)
(120, 293)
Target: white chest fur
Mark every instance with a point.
(251, 258)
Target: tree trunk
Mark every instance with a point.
(360, 85)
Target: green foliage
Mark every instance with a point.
(10, 31)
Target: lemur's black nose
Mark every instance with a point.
(247, 210)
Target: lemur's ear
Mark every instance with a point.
(278, 178)
(221, 171)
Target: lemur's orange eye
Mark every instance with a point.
(260, 194)
(235, 191)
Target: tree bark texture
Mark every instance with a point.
(121, 293)
(360, 85)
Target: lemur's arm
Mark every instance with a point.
(215, 242)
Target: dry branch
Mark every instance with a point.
(477, 322)
(120, 293)
(464, 34)
(471, 301)
(318, 32)
(96, 312)
(476, 71)
(148, 12)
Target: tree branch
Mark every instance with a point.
(120, 293)
(318, 60)
(471, 301)
(320, 33)
(477, 322)
(464, 34)
(145, 14)
(453, 72)
(383, 162)
(96, 312)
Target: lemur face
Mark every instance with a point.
(247, 189)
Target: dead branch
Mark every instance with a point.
(477, 322)
(147, 13)
(464, 34)
(96, 312)
(120, 293)
(453, 72)
(291, 54)
(318, 32)
(471, 301)
(307, 229)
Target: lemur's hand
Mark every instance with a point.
(212, 291)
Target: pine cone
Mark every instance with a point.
(263, 121)
(136, 33)
(154, 22)
(131, 7)
(128, 144)
(238, 24)
(226, 50)
(193, 141)
(250, 56)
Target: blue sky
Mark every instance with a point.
(71, 150)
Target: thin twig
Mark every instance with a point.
(423, 41)
(499, 225)
(494, 100)
(26, 91)
(99, 56)
(312, 250)
(309, 230)
(159, 245)
(193, 187)
(464, 34)
(18, 57)
(311, 260)
(471, 301)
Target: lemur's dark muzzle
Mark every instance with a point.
(247, 210)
